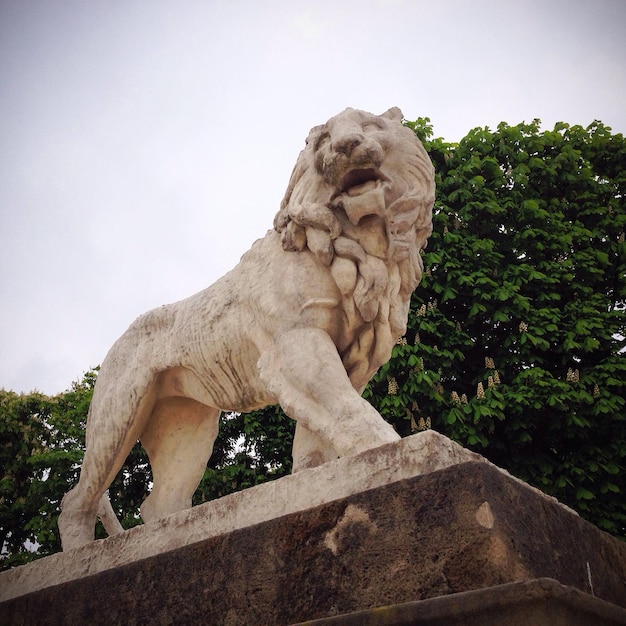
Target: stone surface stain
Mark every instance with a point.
(353, 518)
(484, 516)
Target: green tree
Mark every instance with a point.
(250, 449)
(42, 441)
(22, 433)
(515, 343)
(41, 448)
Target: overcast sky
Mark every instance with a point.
(144, 145)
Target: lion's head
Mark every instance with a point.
(363, 188)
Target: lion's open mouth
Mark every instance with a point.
(361, 192)
(359, 181)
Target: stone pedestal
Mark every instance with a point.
(539, 602)
(433, 547)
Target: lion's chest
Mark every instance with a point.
(366, 344)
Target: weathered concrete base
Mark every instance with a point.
(420, 454)
(466, 527)
(540, 602)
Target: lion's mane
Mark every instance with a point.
(312, 214)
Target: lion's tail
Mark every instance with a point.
(107, 516)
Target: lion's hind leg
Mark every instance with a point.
(120, 405)
(179, 440)
(76, 522)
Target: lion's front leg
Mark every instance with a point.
(304, 372)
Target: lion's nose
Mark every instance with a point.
(348, 143)
(360, 149)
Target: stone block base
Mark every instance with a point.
(541, 602)
(431, 540)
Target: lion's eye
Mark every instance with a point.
(370, 126)
(322, 141)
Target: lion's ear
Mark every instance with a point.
(313, 133)
(394, 113)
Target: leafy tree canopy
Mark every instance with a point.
(41, 446)
(515, 345)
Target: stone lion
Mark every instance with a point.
(304, 321)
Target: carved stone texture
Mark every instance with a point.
(304, 321)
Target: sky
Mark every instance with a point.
(145, 145)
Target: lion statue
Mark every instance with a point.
(304, 321)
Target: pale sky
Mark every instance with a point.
(144, 145)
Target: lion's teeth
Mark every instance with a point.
(358, 190)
